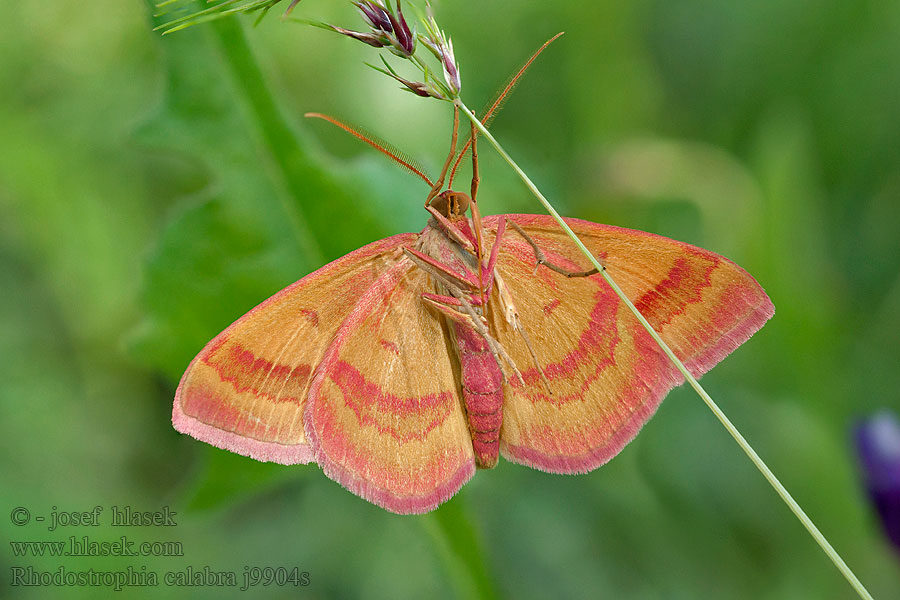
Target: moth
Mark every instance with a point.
(408, 364)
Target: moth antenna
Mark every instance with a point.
(495, 106)
(380, 145)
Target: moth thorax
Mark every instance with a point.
(451, 204)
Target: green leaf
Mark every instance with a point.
(268, 212)
(457, 542)
(226, 477)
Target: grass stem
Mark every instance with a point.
(726, 422)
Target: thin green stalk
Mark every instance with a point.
(745, 446)
(313, 196)
(282, 146)
(458, 544)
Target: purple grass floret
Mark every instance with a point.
(386, 29)
(878, 445)
(373, 39)
(406, 40)
(375, 15)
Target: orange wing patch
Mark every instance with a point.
(385, 416)
(605, 374)
(246, 390)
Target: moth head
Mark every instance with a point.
(451, 204)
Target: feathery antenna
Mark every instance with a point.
(382, 146)
(497, 104)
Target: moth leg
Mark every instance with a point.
(499, 353)
(542, 259)
(440, 271)
(451, 230)
(446, 306)
(451, 301)
(534, 357)
(512, 317)
(458, 308)
(475, 321)
(488, 271)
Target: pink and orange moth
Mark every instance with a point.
(406, 365)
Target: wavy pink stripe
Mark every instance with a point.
(735, 302)
(344, 463)
(241, 444)
(642, 413)
(444, 485)
(364, 398)
(237, 443)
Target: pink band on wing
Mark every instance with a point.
(227, 440)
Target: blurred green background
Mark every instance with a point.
(154, 189)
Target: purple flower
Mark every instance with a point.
(451, 67)
(878, 444)
(419, 88)
(373, 39)
(405, 39)
(375, 15)
(386, 29)
(442, 48)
